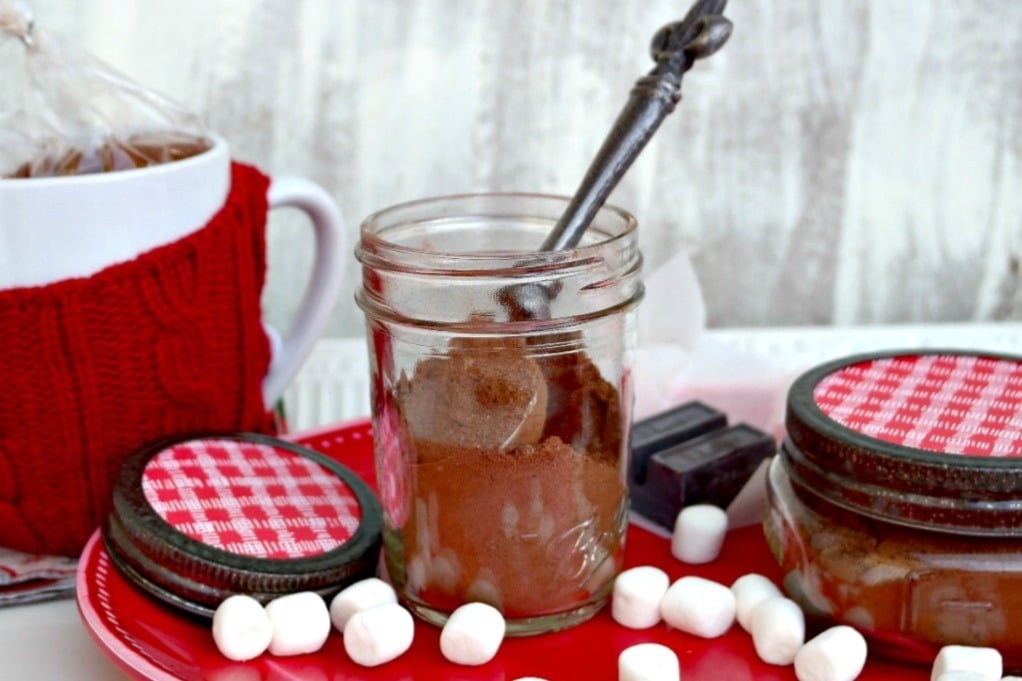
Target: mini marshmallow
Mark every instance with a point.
(648, 662)
(241, 628)
(837, 654)
(378, 634)
(635, 602)
(699, 533)
(749, 591)
(963, 675)
(359, 596)
(699, 606)
(778, 630)
(301, 623)
(986, 661)
(472, 634)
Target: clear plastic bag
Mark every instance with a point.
(73, 114)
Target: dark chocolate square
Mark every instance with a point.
(709, 469)
(667, 429)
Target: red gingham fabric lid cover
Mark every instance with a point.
(944, 403)
(250, 498)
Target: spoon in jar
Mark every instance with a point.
(675, 48)
(501, 402)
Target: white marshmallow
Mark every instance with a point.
(301, 623)
(699, 606)
(635, 602)
(837, 654)
(749, 591)
(241, 628)
(985, 661)
(529, 678)
(472, 634)
(778, 630)
(699, 533)
(378, 634)
(361, 595)
(963, 675)
(648, 662)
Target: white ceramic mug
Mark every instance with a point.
(130, 310)
(52, 229)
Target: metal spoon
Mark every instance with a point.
(675, 48)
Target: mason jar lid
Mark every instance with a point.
(199, 519)
(925, 438)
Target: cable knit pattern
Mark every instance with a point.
(93, 368)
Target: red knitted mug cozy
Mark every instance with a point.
(94, 368)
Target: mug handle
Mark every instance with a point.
(324, 283)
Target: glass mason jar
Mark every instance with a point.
(895, 504)
(501, 403)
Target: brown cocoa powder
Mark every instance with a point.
(533, 527)
(909, 591)
(136, 151)
(476, 397)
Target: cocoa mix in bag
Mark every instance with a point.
(136, 151)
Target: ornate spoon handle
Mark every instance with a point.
(675, 48)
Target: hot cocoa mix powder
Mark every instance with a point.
(517, 497)
(137, 151)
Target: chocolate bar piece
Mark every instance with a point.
(709, 469)
(669, 428)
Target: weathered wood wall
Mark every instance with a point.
(852, 161)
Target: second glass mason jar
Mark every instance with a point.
(895, 503)
(501, 403)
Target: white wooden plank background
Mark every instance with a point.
(840, 162)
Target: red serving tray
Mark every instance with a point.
(152, 641)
